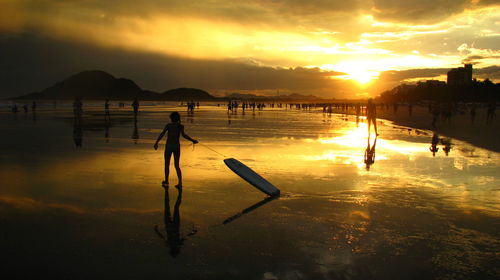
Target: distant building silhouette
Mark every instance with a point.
(460, 76)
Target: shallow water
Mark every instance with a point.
(81, 202)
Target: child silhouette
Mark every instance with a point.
(175, 129)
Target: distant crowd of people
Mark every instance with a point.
(440, 112)
(232, 106)
(25, 106)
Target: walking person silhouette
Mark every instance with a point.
(107, 116)
(135, 105)
(371, 115)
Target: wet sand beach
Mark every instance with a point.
(461, 126)
(85, 201)
(476, 131)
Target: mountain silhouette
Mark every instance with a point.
(93, 84)
(186, 94)
(96, 84)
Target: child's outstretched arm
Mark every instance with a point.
(187, 136)
(160, 136)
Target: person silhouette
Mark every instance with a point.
(173, 238)
(490, 114)
(472, 112)
(175, 129)
(371, 115)
(107, 116)
(370, 153)
(135, 105)
(77, 110)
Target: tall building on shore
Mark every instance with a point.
(460, 76)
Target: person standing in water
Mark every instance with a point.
(77, 110)
(107, 116)
(175, 129)
(371, 115)
(135, 105)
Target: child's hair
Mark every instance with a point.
(175, 117)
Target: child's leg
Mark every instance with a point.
(168, 155)
(177, 156)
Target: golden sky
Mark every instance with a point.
(343, 47)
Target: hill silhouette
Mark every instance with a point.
(96, 84)
(186, 94)
(93, 84)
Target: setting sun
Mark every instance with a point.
(362, 77)
(354, 70)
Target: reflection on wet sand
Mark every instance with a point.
(369, 158)
(106, 131)
(446, 142)
(77, 135)
(173, 238)
(435, 140)
(135, 133)
(249, 209)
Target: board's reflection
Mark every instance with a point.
(249, 209)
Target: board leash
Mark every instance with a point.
(211, 149)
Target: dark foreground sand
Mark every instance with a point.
(477, 132)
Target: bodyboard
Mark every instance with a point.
(251, 177)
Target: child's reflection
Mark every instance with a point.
(173, 237)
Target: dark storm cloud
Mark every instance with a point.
(235, 9)
(312, 7)
(268, 10)
(311, 14)
(488, 70)
(415, 11)
(31, 63)
(492, 73)
(489, 2)
(251, 11)
(471, 59)
(398, 76)
(475, 59)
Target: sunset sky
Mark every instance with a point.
(328, 48)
